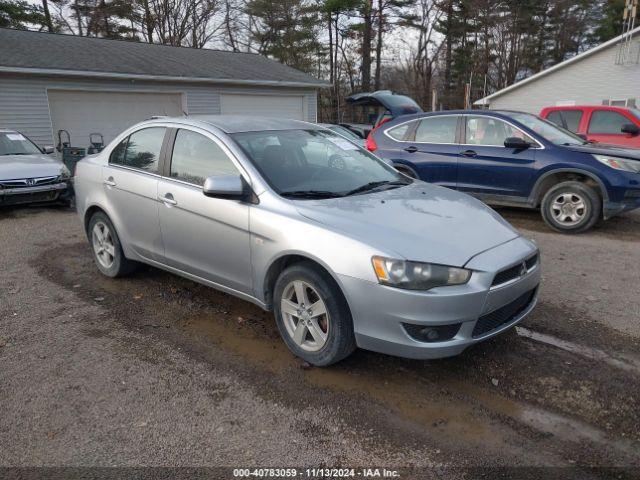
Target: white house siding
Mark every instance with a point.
(24, 104)
(587, 81)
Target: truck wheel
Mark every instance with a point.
(571, 207)
(107, 251)
(312, 315)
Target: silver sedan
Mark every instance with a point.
(29, 174)
(346, 251)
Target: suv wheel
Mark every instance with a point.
(107, 251)
(571, 207)
(312, 315)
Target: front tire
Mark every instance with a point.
(312, 315)
(571, 207)
(107, 250)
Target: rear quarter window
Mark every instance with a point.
(400, 132)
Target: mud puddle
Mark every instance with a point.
(450, 401)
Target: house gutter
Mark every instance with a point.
(160, 78)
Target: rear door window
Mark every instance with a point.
(141, 150)
(607, 122)
(437, 129)
(196, 157)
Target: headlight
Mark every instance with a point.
(64, 173)
(417, 275)
(619, 163)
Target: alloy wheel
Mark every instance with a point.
(305, 316)
(103, 245)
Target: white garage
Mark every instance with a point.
(51, 82)
(109, 113)
(281, 106)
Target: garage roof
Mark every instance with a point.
(47, 53)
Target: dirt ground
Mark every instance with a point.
(155, 370)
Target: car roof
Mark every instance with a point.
(246, 123)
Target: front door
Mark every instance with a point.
(130, 181)
(486, 167)
(203, 236)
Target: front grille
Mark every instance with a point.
(514, 272)
(506, 314)
(29, 182)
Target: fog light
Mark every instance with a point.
(431, 333)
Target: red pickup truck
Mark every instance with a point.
(599, 123)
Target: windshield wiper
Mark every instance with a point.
(373, 185)
(310, 194)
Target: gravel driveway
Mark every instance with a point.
(155, 370)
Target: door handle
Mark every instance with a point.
(110, 182)
(168, 199)
(411, 149)
(469, 153)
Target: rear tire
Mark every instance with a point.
(302, 293)
(571, 207)
(107, 250)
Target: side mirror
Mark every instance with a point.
(517, 143)
(630, 128)
(48, 149)
(230, 187)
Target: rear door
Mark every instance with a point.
(431, 148)
(131, 184)
(486, 166)
(204, 236)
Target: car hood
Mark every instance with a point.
(605, 149)
(419, 222)
(28, 166)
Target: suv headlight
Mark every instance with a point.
(619, 163)
(417, 275)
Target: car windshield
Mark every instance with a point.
(547, 130)
(14, 143)
(316, 164)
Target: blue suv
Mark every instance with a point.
(516, 159)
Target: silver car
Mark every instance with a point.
(346, 251)
(28, 174)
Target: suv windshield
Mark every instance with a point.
(14, 143)
(547, 130)
(315, 163)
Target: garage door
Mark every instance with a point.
(109, 113)
(281, 106)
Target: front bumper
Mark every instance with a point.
(36, 194)
(611, 209)
(379, 312)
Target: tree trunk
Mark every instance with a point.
(379, 44)
(47, 15)
(366, 46)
